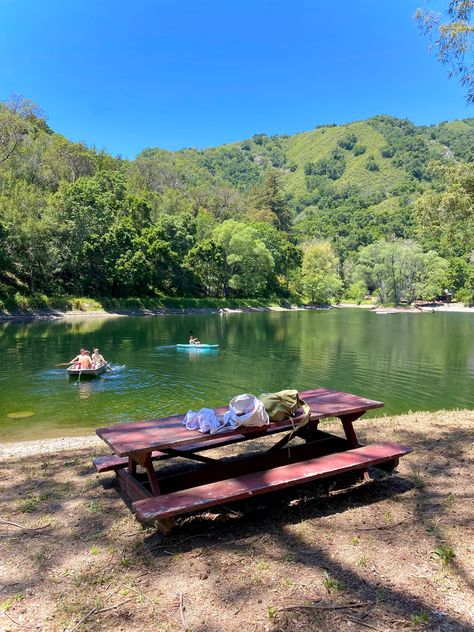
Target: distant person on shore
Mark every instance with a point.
(97, 359)
(193, 340)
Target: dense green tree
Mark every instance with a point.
(247, 261)
(206, 261)
(63, 160)
(332, 167)
(287, 256)
(205, 224)
(4, 259)
(319, 273)
(17, 117)
(270, 197)
(348, 141)
(446, 220)
(399, 271)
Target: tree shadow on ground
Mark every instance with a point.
(237, 548)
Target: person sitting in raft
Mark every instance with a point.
(86, 362)
(193, 340)
(77, 360)
(97, 359)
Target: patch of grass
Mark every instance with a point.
(436, 531)
(362, 561)
(388, 516)
(271, 613)
(94, 506)
(330, 583)
(451, 499)
(355, 540)
(30, 504)
(8, 603)
(288, 558)
(381, 594)
(63, 490)
(261, 565)
(260, 571)
(94, 550)
(418, 480)
(419, 618)
(445, 554)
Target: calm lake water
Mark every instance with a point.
(409, 361)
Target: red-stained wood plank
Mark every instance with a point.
(248, 485)
(132, 489)
(111, 462)
(169, 432)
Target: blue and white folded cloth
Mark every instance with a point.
(244, 410)
(204, 420)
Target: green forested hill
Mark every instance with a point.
(397, 151)
(225, 221)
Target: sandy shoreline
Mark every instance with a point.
(19, 449)
(77, 314)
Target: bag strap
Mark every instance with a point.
(303, 421)
(307, 412)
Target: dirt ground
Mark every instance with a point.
(392, 554)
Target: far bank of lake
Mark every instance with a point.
(55, 314)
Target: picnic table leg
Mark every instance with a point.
(349, 428)
(165, 525)
(146, 462)
(351, 435)
(132, 466)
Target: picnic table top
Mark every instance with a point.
(170, 433)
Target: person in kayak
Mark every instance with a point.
(193, 340)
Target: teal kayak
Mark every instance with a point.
(197, 347)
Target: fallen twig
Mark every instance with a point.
(324, 607)
(79, 623)
(117, 605)
(20, 526)
(98, 611)
(144, 596)
(181, 612)
(20, 625)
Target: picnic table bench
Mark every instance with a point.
(162, 495)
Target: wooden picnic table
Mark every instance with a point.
(163, 495)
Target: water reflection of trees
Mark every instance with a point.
(403, 357)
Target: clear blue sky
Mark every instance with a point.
(125, 75)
